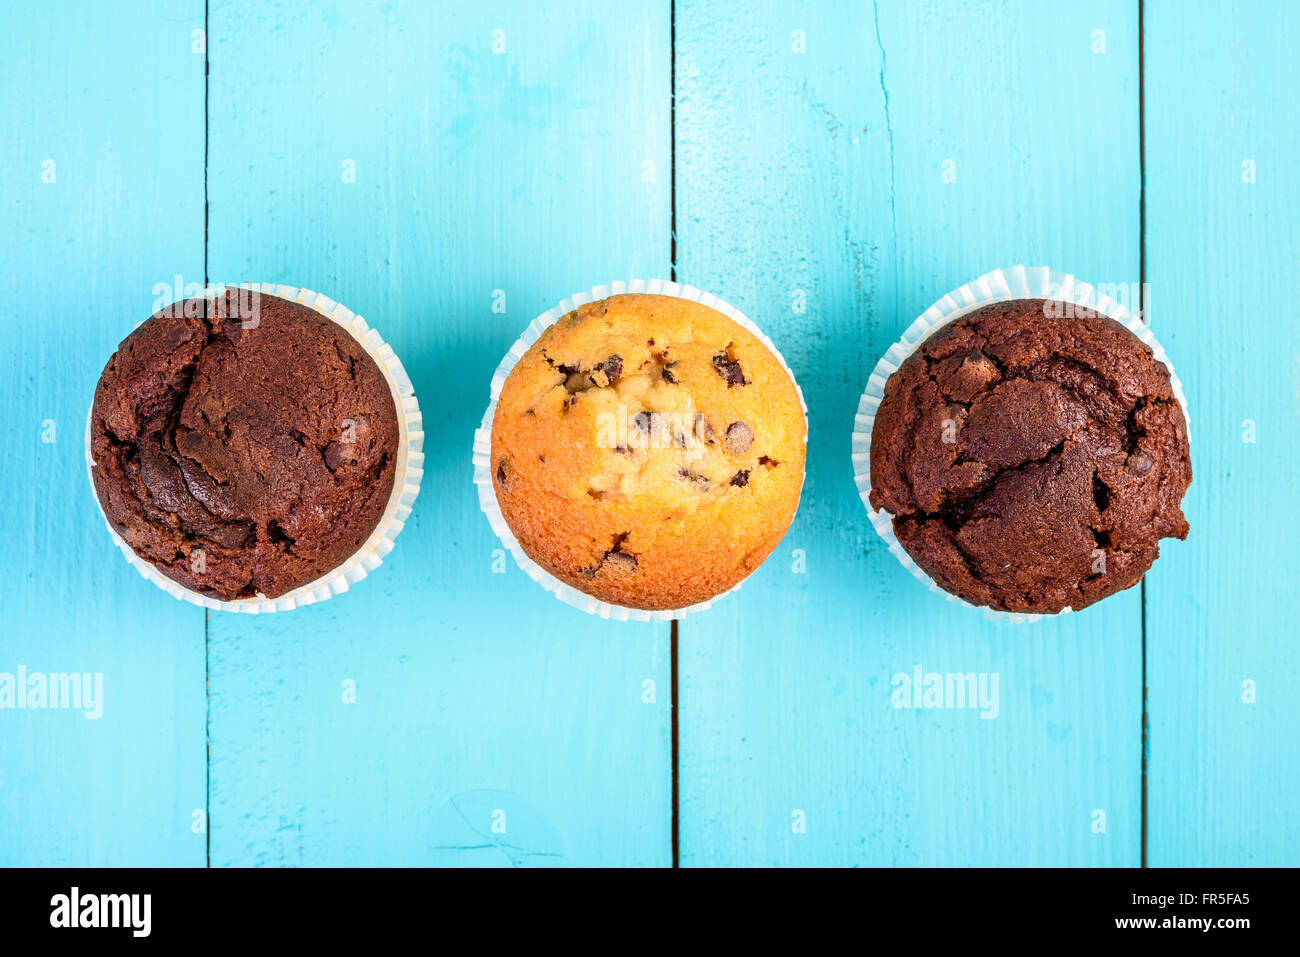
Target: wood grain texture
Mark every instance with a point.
(1224, 266)
(539, 170)
(822, 174)
(86, 239)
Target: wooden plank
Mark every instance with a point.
(813, 152)
(101, 197)
(1223, 666)
(506, 150)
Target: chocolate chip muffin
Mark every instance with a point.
(1032, 455)
(244, 445)
(648, 451)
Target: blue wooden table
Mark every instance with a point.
(830, 169)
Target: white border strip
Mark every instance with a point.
(407, 475)
(483, 438)
(1000, 285)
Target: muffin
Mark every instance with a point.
(243, 445)
(648, 451)
(1032, 454)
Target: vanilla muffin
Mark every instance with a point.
(648, 451)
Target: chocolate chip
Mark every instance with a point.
(728, 367)
(1139, 463)
(768, 462)
(739, 438)
(614, 559)
(501, 472)
(607, 372)
(652, 430)
(668, 375)
(339, 454)
(619, 562)
(615, 562)
(975, 373)
(701, 482)
(741, 478)
(703, 430)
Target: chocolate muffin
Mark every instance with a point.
(648, 451)
(1032, 455)
(244, 445)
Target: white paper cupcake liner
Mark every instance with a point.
(487, 498)
(1017, 282)
(406, 477)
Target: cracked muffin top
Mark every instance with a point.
(244, 446)
(1032, 455)
(648, 451)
